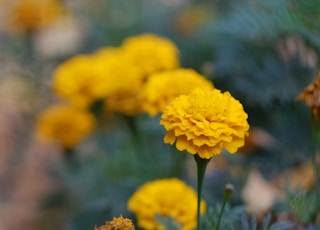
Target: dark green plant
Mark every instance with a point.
(237, 218)
(303, 205)
(168, 222)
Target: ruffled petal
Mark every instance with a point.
(206, 122)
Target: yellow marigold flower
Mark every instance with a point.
(124, 102)
(151, 52)
(81, 80)
(28, 15)
(125, 79)
(64, 124)
(165, 197)
(205, 122)
(119, 71)
(119, 223)
(161, 87)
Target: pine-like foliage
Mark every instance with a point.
(265, 52)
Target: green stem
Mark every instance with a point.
(221, 212)
(134, 131)
(139, 154)
(227, 193)
(97, 108)
(201, 169)
(316, 138)
(70, 159)
(177, 160)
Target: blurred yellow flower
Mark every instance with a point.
(124, 79)
(81, 81)
(64, 124)
(205, 122)
(116, 74)
(165, 197)
(109, 74)
(126, 103)
(29, 15)
(151, 52)
(161, 87)
(119, 223)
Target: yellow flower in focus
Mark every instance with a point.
(119, 223)
(151, 52)
(81, 81)
(64, 124)
(165, 197)
(29, 15)
(205, 122)
(161, 87)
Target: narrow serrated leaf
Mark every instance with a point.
(253, 222)
(244, 222)
(282, 225)
(266, 221)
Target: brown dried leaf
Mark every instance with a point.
(311, 96)
(259, 194)
(258, 138)
(301, 177)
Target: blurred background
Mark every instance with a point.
(263, 51)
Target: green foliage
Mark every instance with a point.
(236, 218)
(210, 219)
(258, 51)
(168, 222)
(304, 205)
(248, 44)
(263, 51)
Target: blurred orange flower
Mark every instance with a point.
(29, 15)
(118, 223)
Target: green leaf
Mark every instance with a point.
(282, 226)
(266, 221)
(168, 222)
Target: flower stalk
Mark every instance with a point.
(201, 169)
(71, 160)
(228, 189)
(315, 145)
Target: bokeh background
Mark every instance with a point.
(263, 51)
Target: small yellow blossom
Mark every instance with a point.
(118, 223)
(64, 124)
(29, 15)
(165, 197)
(151, 52)
(81, 81)
(161, 87)
(205, 122)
